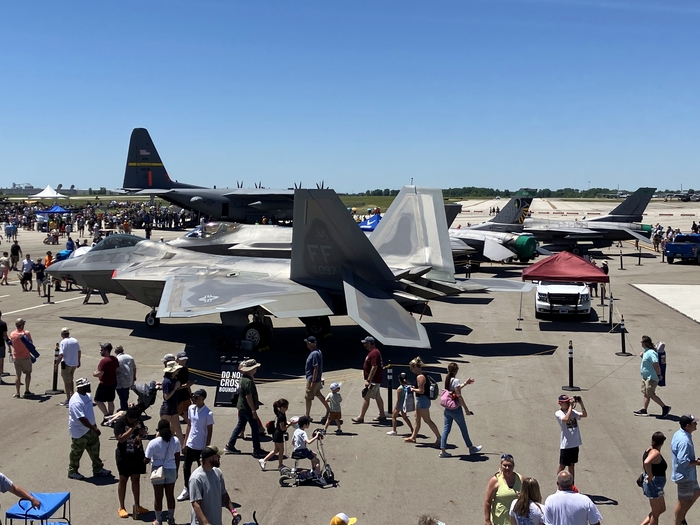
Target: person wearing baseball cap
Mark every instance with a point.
(334, 399)
(314, 376)
(22, 356)
(184, 392)
(684, 466)
(107, 374)
(373, 372)
(570, 441)
(208, 490)
(342, 519)
(200, 428)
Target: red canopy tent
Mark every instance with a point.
(565, 267)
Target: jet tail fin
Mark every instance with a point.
(144, 168)
(329, 251)
(414, 233)
(632, 208)
(512, 217)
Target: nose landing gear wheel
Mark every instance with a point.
(257, 333)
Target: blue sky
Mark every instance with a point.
(361, 95)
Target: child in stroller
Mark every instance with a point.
(146, 394)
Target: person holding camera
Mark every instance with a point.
(570, 434)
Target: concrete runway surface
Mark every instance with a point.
(518, 376)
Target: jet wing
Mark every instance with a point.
(195, 295)
(495, 251)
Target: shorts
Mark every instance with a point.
(568, 456)
(105, 393)
(649, 387)
(14, 259)
(170, 477)
(39, 282)
(2, 350)
(333, 416)
(304, 453)
(23, 366)
(26, 277)
(130, 464)
(373, 392)
(313, 390)
(687, 488)
(67, 374)
(422, 402)
(655, 489)
(167, 409)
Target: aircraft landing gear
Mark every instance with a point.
(257, 333)
(151, 320)
(317, 326)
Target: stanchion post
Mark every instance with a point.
(612, 321)
(639, 257)
(48, 295)
(54, 385)
(622, 266)
(571, 387)
(623, 352)
(390, 385)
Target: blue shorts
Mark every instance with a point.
(170, 477)
(422, 402)
(304, 453)
(655, 489)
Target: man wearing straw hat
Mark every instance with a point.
(247, 409)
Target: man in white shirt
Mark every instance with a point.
(200, 427)
(566, 507)
(27, 267)
(126, 376)
(83, 432)
(68, 360)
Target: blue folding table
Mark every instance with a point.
(50, 503)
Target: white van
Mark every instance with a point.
(562, 299)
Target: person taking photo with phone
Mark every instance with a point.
(570, 440)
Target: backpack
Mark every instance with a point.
(434, 389)
(270, 427)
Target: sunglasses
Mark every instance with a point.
(507, 456)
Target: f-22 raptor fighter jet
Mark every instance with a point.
(334, 270)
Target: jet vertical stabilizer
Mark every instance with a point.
(144, 168)
(631, 209)
(330, 251)
(414, 233)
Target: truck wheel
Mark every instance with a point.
(669, 260)
(538, 315)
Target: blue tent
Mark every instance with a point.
(54, 209)
(370, 224)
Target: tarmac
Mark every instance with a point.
(519, 368)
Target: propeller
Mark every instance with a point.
(320, 186)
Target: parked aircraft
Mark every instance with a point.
(145, 174)
(334, 270)
(599, 232)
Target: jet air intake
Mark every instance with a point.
(525, 247)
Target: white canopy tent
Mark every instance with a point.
(48, 193)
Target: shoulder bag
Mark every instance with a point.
(158, 474)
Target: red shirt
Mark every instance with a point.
(109, 366)
(374, 358)
(19, 349)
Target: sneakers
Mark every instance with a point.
(102, 473)
(262, 464)
(184, 495)
(445, 454)
(259, 453)
(641, 412)
(380, 419)
(321, 481)
(231, 450)
(475, 449)
(392, 433)
(76, 475)
(338, 432)
(666, 410)
(63, 403)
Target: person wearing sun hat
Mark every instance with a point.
(342, 519)
(247, 406)
(168, 409)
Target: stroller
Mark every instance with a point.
(295, 476)
(146, 394)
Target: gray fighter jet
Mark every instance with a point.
(334, 270)
(145, 174)
(600, 232)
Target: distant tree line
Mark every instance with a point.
(473, 191)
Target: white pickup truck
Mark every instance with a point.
(562, 299)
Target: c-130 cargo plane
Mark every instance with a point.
(145, 174)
